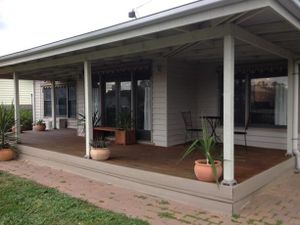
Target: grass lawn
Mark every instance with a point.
(24, 202)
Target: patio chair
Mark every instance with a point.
(243, 132)
(190, 130)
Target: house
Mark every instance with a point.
(7, 92)
(237, 59)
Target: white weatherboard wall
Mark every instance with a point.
(182, 88)
(7, 91)
(196, 88)
(159, 103)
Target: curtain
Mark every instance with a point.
(280, 104)
(147, 111)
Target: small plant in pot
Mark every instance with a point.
(99, 149)
(209, 169)
(7, 138)
(39, 125)
(125, 134)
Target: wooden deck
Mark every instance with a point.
(152, 158)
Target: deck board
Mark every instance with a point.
(152, 158)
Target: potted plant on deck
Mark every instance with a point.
(125, 133)
(99, 149)
(39, 125)
(7, 138)
(208, 169)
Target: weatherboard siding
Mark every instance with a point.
(182, 87)
(159, 103)
(7, 91)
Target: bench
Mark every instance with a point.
(104, 129)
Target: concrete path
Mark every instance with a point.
(277, 203)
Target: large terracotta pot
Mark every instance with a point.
(125, 137)
(7, 154)
(100, 154)
(204, 172)
(39, 127)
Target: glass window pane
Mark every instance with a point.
(72, 101)
(110, 104)
(269, 101)
(125, 97)
(47, 102)
(61, 101)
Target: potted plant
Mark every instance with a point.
(96, 120)
(125, 134)
(99, 149)
(39, 125)
(7, 138)
(208, 169)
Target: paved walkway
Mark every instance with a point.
(277, 203)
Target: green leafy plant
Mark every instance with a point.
(99, 143)
(205, 144)
(124, 121)
(26, 119)
(39, 122)
(7, 138)
(96, 119)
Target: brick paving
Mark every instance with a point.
(277, 203)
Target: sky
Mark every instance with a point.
(29, 23)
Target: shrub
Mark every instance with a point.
(26, 119)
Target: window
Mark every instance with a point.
(47, 102)
(260, 95)
(268, 101)
(61, 101)
(65, 102)
(72, 102)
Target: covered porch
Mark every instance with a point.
(197, 54)
(249, 163)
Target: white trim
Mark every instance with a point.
(228, 111)
(88, 106)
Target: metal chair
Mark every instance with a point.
(243, 132)
(190, 130)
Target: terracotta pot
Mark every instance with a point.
(100, 154)
(204, 172)
(125, 137)
(7, 154)
(39, 127)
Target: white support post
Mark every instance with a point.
(33, 103)
(228, 111)
(88, 107)
(295, 117)
(17, 106)
(290, 108)
(53, 101)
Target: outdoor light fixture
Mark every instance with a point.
(132, 14)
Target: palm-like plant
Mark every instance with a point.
(7, 138)
(205, 144)
(96, 119)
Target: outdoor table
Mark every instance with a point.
(213, 122)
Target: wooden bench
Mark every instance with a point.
(104, 129)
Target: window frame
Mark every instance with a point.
(67, 104)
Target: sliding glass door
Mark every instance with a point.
(127, 93)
